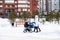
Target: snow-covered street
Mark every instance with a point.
(49, 31)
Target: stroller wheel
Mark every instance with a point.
(30, 31)
(24, 31)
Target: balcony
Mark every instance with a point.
(23, 8)
(0, 5)
(9, 7)
(9, 1)
(0, 1)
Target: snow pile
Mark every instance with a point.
(49, 27)
(4, 22)
(46, 27)
(49, 31)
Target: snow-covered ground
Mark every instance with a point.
(49, 31)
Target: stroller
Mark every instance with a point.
(27, 27)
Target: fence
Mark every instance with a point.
(22, 21)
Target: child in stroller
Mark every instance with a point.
(27, 27)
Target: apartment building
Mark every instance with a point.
(45, 6)
(42, 6)
(48, 6)
(18, 6)
(1, 6)
(7, 5)
(59, 5)
(23, 5)
(55, 5)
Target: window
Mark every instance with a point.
(15, 5)
(10, 5)
(0, 1)
(15, 1)
(9, 1)
(6, 5)
(22, 1)
(19, 9)
(29, 10)
(0, 5)
(24, 9)
(23, 6)
(0, 10)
